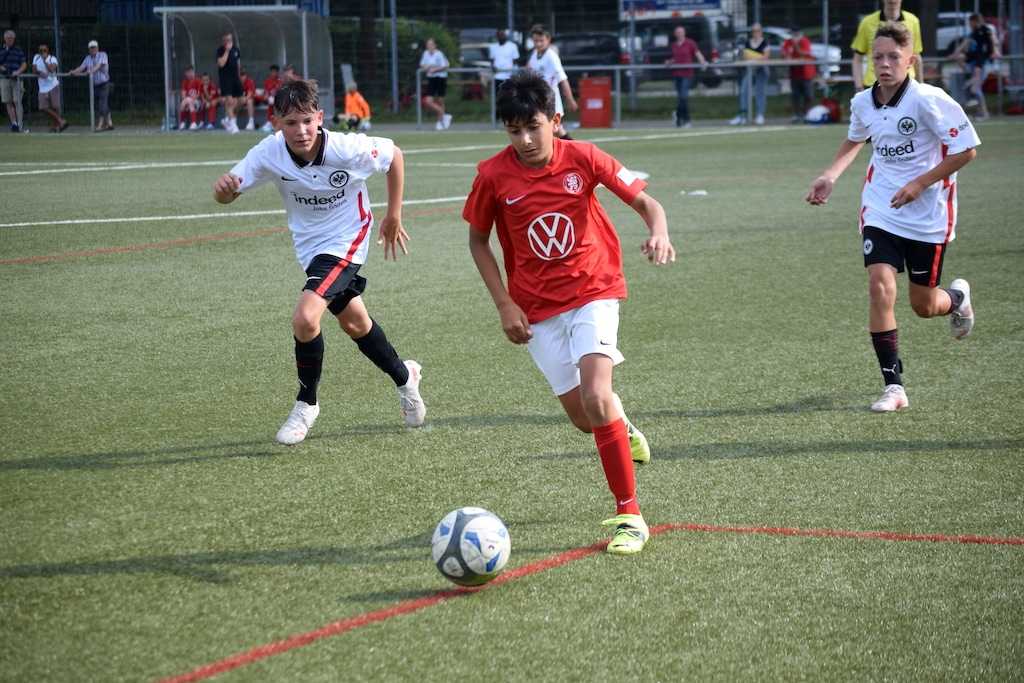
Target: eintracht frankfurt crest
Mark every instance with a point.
(552, 236)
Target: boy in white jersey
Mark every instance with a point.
(563, 263)
(321, 177)
(545, 61)
(921, 138)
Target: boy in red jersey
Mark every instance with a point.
(564, 269)
(211, 100)
(248, 99)
(270, 87)
(191, 98)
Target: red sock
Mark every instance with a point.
(613, 446)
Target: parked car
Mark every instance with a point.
(777, 36)
(594, 49)
(713, 35)
(953, 28)
(477, 56)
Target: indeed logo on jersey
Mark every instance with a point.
(892, 153)
(319, 203)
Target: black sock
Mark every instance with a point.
(956, 297)
(887, 348)
(309, 361)
(375, 346)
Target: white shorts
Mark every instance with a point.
(559, 342)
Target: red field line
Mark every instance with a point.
(136, 247)
(408, 606)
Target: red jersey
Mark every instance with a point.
(248, 87)
(270, 86)
(560, 248)
(211, 92)
(191, 88)
(799, 50)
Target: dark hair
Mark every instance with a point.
(524, 95)
(297, 96)
(540, 29)
(899, 33)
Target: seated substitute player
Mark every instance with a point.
(248, 99)
(564, 267)
(357, 110)
(322, 179)
(211, 99)
(921, 138)
(191, 99)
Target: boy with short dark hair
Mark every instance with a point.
(321, 177)
(564, 268)
(921, 138)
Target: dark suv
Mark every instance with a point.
(593, 49)
(713, 34)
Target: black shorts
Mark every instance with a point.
(231, 87)
(801, 90)
(335, 279)
(437, 86)
(922, 259)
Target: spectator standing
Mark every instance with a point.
(270, 86)
(45, 66)
(920, 138)
(230, 76)
(248, 100)
(684, 51)
(864, 70)
(545, 61)
(191, 99)
(975, 55)
(755, 50)
(12, 65)
(504, 56)
(435, 65)
(801, 77)
(97, 65)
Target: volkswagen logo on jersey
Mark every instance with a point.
(573, 183)
(907, 125)
(552, 236)
(339, 179)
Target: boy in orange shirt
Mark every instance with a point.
(357, 110)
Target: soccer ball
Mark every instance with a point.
(470, 546)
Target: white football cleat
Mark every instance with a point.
(298, 423)
(409, 396)
(961, 319)
(895, 397)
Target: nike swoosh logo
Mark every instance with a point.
(510, 201)
(290, 180)
(918, 272)
(313, 278)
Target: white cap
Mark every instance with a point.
(93, 43)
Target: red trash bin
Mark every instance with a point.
(596, 102)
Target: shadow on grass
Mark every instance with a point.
(210, 567)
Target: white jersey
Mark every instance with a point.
(326, 200)
(435, 60)
(549, 65)
(911, 134)
(504, 58)
(39, 63)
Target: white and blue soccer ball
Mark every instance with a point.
(470, 546)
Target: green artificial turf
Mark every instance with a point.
(151, 524)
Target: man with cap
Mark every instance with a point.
(96, 65)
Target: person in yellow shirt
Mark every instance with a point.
(357, 110)
(892, 10)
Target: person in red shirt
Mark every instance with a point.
(211, 100)
(248, 99)
(563, 265)
(191, 99)
(801, 77)
(270, 87)
(684, 51)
